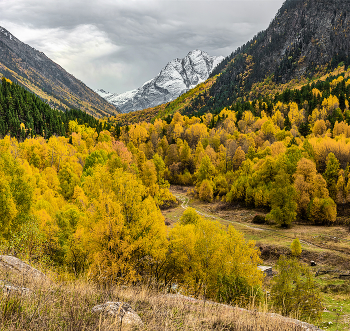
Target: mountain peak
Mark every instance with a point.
(176, 78)
(7, 34)
(197, 52)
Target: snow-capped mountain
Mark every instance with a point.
(178, 76)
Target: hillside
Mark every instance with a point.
(163, 110)
(178, 209)
(306, 38)
(68, 306)
(25, 115)
(40, 75)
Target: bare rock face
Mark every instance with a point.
(178, 76)
(17, 268)
(121, 310)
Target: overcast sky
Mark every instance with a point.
(117, 45)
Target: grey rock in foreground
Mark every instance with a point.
(178, 76)
(11, 264)
(121, 310)
(9, 289)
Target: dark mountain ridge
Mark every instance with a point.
(35, 71)
(304, 36)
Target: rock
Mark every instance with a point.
(266, 270)
(11, 264)
(123, 310)
(9, 289)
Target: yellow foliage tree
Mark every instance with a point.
(204, 256)
(206, 191)
(312, 194)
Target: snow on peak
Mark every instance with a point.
(176, 78)
(7, 33)
(102, 93)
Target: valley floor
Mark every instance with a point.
(329, 247)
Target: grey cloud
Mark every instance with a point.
(119, 44)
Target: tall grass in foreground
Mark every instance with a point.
(67, 306)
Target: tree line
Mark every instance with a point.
(23, 114)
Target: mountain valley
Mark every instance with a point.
(214, 197)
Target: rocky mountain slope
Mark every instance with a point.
(40, 75)
(178, 76)
(305, 37)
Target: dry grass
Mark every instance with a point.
(58, 305)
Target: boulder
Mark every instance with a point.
(266, 270)
(13, 265)
(121, 310)
(9, 289)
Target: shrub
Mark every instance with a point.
(235, 290)
(189, 216)
(294, 290)
(206, 191)
(322, 211)
(295, 247)
(259, 219)
(207, 260)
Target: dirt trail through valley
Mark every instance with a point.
(185, 204)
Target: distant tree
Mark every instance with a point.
(206, 169)
(331, 174)
(238, 158)
(283, 201)
(313, 199)
(96, 157)
(295, 248)
(68, 180)
(206, 191)
(319, 128)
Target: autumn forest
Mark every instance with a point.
(85, 196)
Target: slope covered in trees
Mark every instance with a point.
(288, 152)
(23, 114)
(35, 71)
(305, 38)
(89, 204)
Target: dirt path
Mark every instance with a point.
(185, 204)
